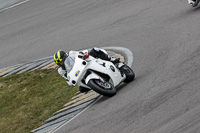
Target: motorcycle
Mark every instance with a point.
(193, 3)
(99, 75)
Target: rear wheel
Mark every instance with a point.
(102, 87)
(130, 75)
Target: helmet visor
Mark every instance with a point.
(61, 62)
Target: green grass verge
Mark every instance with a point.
(30, 98)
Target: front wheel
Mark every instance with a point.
(130, 75)
(102, 87)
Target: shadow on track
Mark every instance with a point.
(119, 88)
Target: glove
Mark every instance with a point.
(65, 74)
(85, 55)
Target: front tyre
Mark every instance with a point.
(104, 88)
(130, 75)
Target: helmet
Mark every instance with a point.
(59, 58)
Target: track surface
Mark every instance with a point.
(163, 36)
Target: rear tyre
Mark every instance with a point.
(130, 74)
(104, 88)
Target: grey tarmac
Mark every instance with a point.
(163, 36)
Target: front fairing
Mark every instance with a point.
(75, 69)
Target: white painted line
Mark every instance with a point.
(14, 5)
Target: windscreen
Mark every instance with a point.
(69, 63)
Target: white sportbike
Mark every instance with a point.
(99, 75)
(193, 3)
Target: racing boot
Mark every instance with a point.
(115, 60)
(84, 90)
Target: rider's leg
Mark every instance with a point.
(100, 53)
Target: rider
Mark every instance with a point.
(60, 56)
(193, 2)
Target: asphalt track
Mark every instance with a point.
(163, 36)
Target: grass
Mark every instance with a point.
(30, 98)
